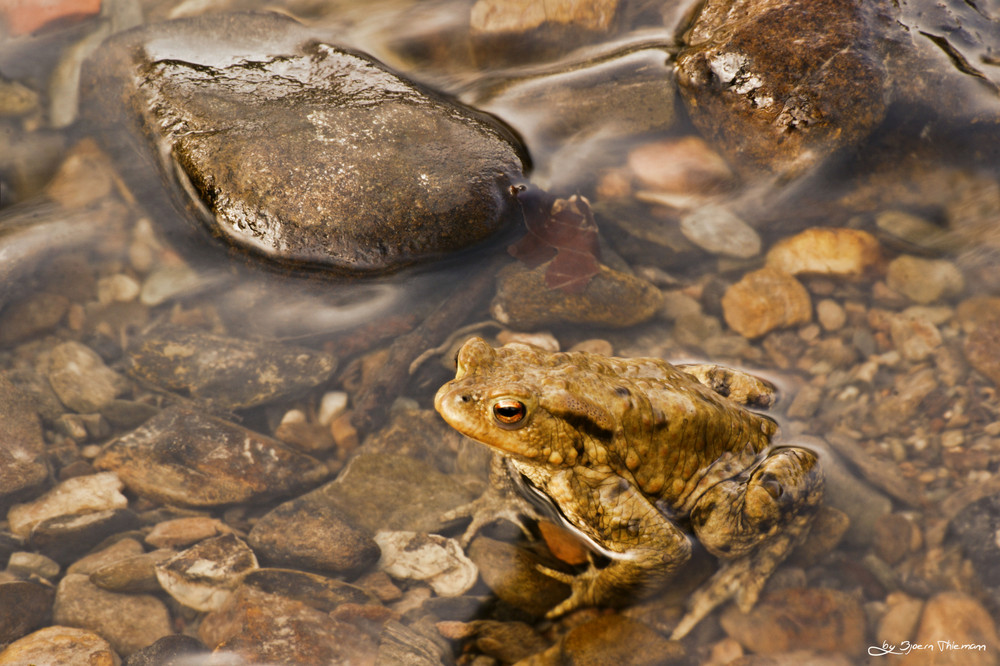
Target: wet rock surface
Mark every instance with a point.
(188, 458)
(765, 102)
(304, 153)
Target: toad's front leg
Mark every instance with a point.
(752, 522)
(644, 547)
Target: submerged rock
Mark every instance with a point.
(129, 622)
(610, 298)
(75, 496)
(780, 84)
(296, 150)
(187, 458)
(203, 576)
(228, 372)
(764, 300)
(23, 464)
(60, 645)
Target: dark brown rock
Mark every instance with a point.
(24, 606)
(512, 574)
(173, 650)
(611, 298)
(64, 538)
(780, 84)
(187, 458)
(299, 151)
(265, 628)
(311, 534)
(225, 371)
(23, 464)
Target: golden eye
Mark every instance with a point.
(509, 412)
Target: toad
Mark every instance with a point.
(640, 459)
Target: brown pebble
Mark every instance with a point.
(764, 300)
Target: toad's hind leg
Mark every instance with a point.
(752, 522)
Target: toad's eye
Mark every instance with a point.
(509, 412)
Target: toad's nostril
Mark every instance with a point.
(466, 398)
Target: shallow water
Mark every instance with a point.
(886, 349)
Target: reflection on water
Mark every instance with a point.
(812, 192)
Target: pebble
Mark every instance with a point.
(29, 317)
(611, 298)
(185, 457)
(896, 536)
(81, 494)
(331, 405)
(899, 623)
(764, 300)
(169, 282)
(183, 532)
(401, 644)
(24, 465)
(129, 622)
(226, 371)
(117, 288)
(541, 339)
(982, 349)
(173, 650)
(830, 314)
(960, 620)
(203, 576)
(132, 575)
(24, 606)
(513, 576)
(924, 280)
(310, 532)
(60, 646)
(26, 564)
(717, 230)
(914, 337)
(615, 639)
(296, 430)
(800, 619)
(682, 165)
(431, 558)
(826, 251)
(593, 346)
(81, 379)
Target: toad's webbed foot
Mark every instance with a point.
(752, 522)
